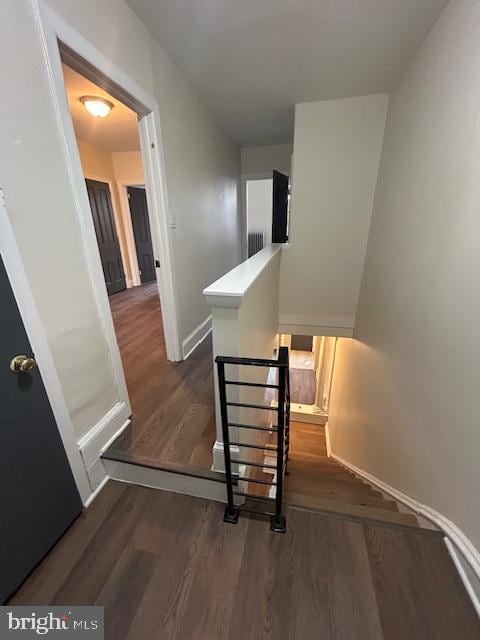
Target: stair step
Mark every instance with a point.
(315, 463)
(313, 466)
(335, 506)
(339, 494)
(296, 477)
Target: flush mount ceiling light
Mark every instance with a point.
(98, 107)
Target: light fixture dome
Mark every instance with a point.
(98, 107)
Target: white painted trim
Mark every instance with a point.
(166, 480)
(162, 220)
(307, 413)
(342, 327)
(52, 28)
(197, 336)
(229, 290)
(97, 491)
(459, 562)
(458, 540)
(39, 343)
(100, 436)
(128, 226)
(327, 442)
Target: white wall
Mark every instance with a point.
(405, 399)
(259, 207)
(202, 172)
(128, 166)
(264, 159)
(337, 146)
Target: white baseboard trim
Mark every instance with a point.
(463, 551)
(199, 334)
(307, 413)
(95, 493)
(295, 324)
(95, 441)
(165, 480)
(470, 580)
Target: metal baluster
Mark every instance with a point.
(231, 513)
(278, 522)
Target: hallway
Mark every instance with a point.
(165, 566)
(172, 402)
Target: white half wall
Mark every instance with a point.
(337, 148)
(244, 306)
(404, 405)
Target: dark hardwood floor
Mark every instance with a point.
(166, 567)
(302, 386)
(172, 403)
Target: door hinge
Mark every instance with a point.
(157, 263)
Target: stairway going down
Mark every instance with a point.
(320, 483)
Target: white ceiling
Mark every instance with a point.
(117, 132)
(252, 60)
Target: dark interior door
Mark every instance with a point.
(302, 343)
(107, 239)
(280, 207)
(39, 498)
(141, 230)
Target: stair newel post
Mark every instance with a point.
(231, 513)
(278, 523)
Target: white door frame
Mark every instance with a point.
(38, 341)
(128, 225)
(97, 67)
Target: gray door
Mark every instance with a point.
(141, 230)
(39, 498)
(107, 239)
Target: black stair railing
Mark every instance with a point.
(282, 429)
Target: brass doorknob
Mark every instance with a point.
(22, 364)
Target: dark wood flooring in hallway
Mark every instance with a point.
(166, 567)
(172, 403)
(302, 386)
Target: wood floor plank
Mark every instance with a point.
(172, 402)
(166, 566)
(43, 583)
(87, 577)
(415, 575)
(302, 386)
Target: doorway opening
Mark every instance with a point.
(259, 199)
(113, 169)
(267, 211)
(312, 359)
(171, 412)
